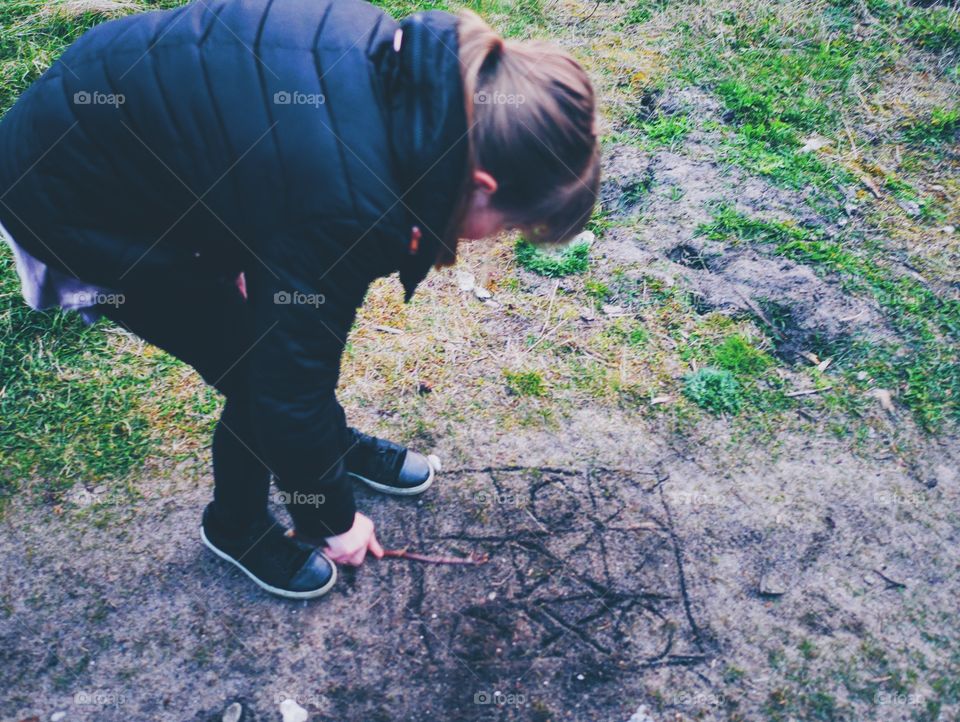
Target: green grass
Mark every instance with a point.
(74, 408)
(939, 127)
(780, 83)
(926, 368)
(525, 383)
(739, 357)
(715, 390)
(574, 259)
(665, 130)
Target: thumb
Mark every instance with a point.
(375, 547)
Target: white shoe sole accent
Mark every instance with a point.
(313, 594)
(396, 491)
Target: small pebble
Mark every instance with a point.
(587, 237)
(57, 716)
(292, 712)
(232, 713)
(465, 281)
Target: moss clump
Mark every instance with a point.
(713, 389)
(573, 259)
(525, 383)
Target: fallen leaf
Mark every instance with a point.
(885, 399)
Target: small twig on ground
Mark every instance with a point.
(473, 559)
(807, 392)
(753, 306)
(893, 583)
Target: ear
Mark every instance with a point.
(484, 182)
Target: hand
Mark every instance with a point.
(351, 547)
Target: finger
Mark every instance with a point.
(339, 558)
(357, 558)
(375, 547)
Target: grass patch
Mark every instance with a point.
(525, 383)
(573, 259)
(73, 407)
(780, 81)
(713, 389)
(939, 127)
(926, 368)
(665, 130)
(737, 356)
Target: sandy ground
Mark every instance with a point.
(624, 574)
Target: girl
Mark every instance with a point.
(226, 179)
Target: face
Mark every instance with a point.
(482, 220)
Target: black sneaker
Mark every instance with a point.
(388, 467)
(275, 562)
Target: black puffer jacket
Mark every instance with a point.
(287, 139)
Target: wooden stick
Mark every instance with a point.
(807, 392)
(473, 559)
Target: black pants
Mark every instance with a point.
(209, 328)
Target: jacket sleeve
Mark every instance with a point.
(304, 290)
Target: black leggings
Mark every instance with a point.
(209, 328)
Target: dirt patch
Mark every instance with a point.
(800, 307)
(664, 581)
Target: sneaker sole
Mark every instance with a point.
(312, 594)
(396, 491)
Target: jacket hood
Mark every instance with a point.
(428, 132)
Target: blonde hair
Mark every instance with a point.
(530, 111)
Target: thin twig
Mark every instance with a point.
(473, 559)
(807, 392)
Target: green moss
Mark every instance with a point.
(572, 260)
(736, 355)
(525, 383)
(715, 390)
